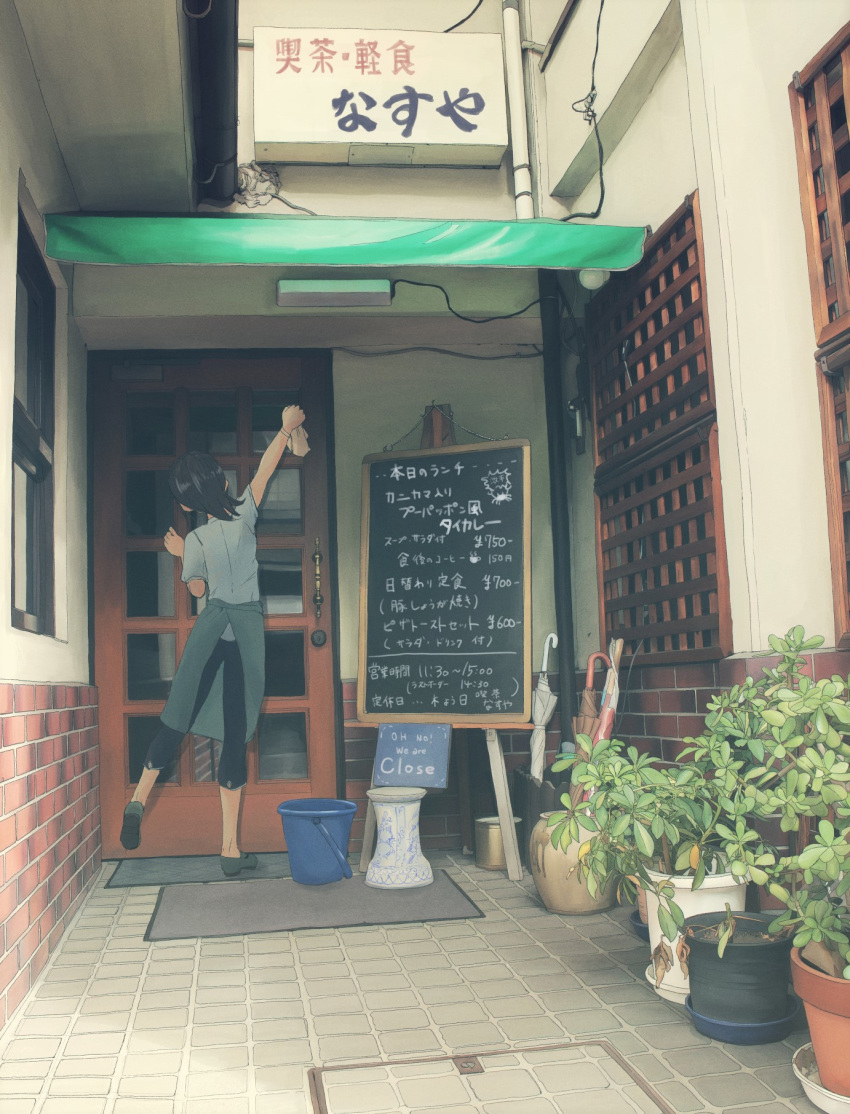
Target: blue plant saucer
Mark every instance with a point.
(742, 1032)
(638, 927)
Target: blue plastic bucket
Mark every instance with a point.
(316, 832)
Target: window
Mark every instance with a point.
(819, 98)
(32, 444)
(819, 102)
(664, 582)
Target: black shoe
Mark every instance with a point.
(131, 835)
(231, 866)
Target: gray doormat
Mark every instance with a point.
(281, 905)
(579, 1077)
(172, 871)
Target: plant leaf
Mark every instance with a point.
(668, 925)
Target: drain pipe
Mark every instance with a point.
(517, 120)
(213, 47)
(556, 426)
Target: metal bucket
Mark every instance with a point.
(489, 847)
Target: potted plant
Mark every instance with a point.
(656, 826)
(555, 870)
(739, 973)
(779, 744)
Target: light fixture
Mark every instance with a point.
(593, 279)
(331, 293)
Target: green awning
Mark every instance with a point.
(232, 238)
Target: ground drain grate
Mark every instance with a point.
(569, 1078)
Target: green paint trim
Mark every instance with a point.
(339, 242)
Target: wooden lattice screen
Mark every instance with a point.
(834, 384)
(819, 99)
(820, 95)
(661, 549)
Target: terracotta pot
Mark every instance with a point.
(641, 904)
(827, 1002)
(558, 882)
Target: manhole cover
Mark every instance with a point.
(570, 1078)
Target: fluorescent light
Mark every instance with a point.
(334, 292)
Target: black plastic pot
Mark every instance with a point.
(750, 983)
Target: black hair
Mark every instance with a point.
(197, 481)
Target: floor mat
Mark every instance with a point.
(576, 1078)
(281, 905)
(172, 871)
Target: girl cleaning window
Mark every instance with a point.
(219, 683)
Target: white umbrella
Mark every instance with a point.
(542, 706)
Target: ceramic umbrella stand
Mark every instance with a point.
(398, 862)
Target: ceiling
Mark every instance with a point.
(114, 76)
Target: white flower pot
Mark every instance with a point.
(398, 862)
(712, 897)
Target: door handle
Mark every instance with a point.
(318, 598)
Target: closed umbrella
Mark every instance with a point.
(542, 707)
(611, 693)
(587, 720)
(603, 722)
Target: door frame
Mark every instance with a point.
(105, 358)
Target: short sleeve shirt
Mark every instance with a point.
(224, 554)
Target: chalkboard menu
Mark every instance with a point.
(445, 600)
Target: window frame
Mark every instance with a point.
(814, 77)
(32, 438)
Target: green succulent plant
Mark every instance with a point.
(772, 746)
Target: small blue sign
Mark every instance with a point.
(413, 754)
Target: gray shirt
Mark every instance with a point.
(224, 554)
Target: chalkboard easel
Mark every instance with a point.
(445, 612)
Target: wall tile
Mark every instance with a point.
(49, 827)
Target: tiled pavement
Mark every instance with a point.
(116, 1025)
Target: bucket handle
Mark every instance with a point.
(331, 842)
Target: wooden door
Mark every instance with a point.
(143, 418)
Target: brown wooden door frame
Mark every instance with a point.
(185, 819)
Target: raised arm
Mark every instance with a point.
(292, 416)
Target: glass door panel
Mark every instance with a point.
(281, 581)
(144, 614)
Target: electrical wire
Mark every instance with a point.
(460, 21)
(473, 320)
(535, 355)
(292, 205)
(197, 15)
(216, 166)
(586, 109)
(449, 418)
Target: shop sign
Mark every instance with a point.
(370, 97)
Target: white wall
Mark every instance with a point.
(634, 43)
(27, 146)
(741, 55)
(377, 400)
(651, 170)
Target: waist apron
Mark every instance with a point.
(246, 619)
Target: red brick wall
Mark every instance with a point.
(439, 826)
(661, 704)
(49, 823)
